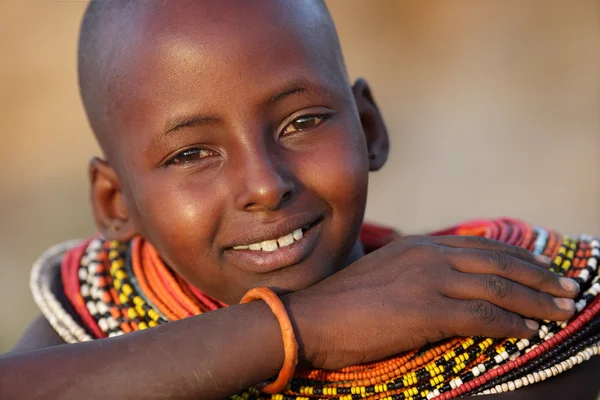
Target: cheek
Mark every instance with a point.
(340, 167)
(178, 216)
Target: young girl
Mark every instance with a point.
(236, 157)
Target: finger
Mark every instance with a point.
(515, 269)
(481, 243)
(480, 317)
(510, 296)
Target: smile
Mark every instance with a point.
(273, 244)
(264, 254)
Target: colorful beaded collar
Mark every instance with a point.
(115, 288)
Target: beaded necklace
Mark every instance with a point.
(116, 288)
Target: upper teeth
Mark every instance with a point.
(272, 245)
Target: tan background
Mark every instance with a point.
(493, 109)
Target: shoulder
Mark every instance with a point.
(49, 294)
(39, 334)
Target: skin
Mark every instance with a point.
(279, 134)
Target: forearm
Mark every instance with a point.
(210, 356)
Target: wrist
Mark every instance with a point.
(307, 328)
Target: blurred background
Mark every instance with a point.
(493, 108)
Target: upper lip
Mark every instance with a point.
(259, 232)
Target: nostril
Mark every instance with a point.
(286, 196)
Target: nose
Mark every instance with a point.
(264, 182)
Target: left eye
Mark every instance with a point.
(188, 156)
(304, 123)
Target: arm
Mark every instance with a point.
(39, 334)
(192, 358)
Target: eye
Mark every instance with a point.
(304, 123)
(188, 155)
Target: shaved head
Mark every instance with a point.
(112, 33)
(100, 54)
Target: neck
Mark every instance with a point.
(357, 252)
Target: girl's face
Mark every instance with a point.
(241, 154)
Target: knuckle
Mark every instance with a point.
(521, 253)
(543, 276)
(484, 312)
(476, 241)
(518, 252)
(501, 261)
(511, 321)
(412, 238)
(541, 300)
(419, 248)
(498, 287)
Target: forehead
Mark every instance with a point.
(214, 55)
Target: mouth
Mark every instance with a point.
(271, 252)
(277, 243)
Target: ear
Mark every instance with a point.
(378, 143)
(108, 205)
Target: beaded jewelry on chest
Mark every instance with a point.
(116, 288)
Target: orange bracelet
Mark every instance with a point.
(290, 346)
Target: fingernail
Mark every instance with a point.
(569, 285)
(542, 259)
(531, 324)
(565, 304)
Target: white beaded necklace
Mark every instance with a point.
(42, 273)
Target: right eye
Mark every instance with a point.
(188, 156)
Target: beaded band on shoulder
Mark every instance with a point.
(42, 272)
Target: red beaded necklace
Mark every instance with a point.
(116, 288)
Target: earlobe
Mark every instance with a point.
(108, 206)
(376, 135)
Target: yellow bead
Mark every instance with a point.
(127, 289)
(558, 260)
(153, 314)
(138, 301)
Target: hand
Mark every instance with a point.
(421, 289)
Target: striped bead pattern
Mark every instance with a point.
(117, 288)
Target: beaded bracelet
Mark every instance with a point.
(290, 345)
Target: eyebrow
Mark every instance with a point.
(189, 121)
(295, 89)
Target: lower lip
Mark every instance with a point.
(268, 261)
